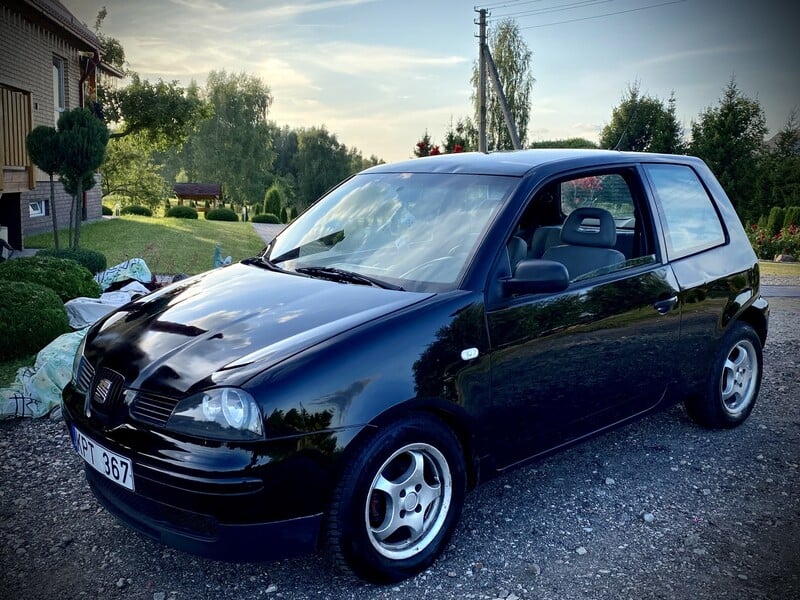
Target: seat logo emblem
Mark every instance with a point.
(102, 390)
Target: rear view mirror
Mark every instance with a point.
(537, 276)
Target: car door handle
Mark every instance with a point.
(664, 306)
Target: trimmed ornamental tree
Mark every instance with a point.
(83, 139)
(45, 152)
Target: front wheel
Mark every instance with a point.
(398, 501)
(733, 382)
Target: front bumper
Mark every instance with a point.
(202, 534)
(245, 502)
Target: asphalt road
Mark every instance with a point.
(657, 509)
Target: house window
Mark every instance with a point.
(58, 88)
(38, 208)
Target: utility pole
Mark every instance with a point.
(501, 97)
(483, 49)
(486, 63)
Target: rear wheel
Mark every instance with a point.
(733, 382)
(398, 501)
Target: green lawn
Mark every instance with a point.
(780, 269)
(169, 246)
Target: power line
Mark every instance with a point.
(507, 4)
(619, 12)
(551, 9)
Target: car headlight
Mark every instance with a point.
(226, 413)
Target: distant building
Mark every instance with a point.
(49, 62)
(207, 194)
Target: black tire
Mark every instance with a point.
(733, 382)
(398, 501)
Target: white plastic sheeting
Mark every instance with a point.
(37, 390)
(82, 312)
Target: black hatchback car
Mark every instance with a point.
(423, 326)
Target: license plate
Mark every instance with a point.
(113, 466)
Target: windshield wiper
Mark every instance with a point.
(262, 261)
(343, 276)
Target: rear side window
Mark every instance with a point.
(691, 222)
(609, 191)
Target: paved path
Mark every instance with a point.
(781, 291)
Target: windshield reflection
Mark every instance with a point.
(409, 229)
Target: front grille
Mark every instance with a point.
(153, 409)
(85, 375)
(106, 391)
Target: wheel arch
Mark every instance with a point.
(449, 414)
(756, 317)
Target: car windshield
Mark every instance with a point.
(411, 230)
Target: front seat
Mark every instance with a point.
(584, 248)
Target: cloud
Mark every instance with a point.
(360, 59)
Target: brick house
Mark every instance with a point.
(49, 62)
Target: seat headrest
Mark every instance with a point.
(603, 237)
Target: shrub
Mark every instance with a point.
(65, 277)
(135, 209)
(181, 212)
(31, 316)
(767, 247)
(221, 214)
(792, 216)
(91, 259)
(775, 220)
(272, 200)
(284, 215)
(107, 211)
(266, 218)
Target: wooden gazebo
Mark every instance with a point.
(199, 192)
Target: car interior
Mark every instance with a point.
(592, 225)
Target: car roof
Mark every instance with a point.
(520, 162)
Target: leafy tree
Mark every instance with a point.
(234, 146)
(321, 162)
(82, 139)
(130, 170)
(642, 123)
(111, 48)
(45, 152)
(730, 138)
(512, 57)
(163, 112)
(284, 143)
(567, 143)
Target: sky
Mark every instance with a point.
(379, 73)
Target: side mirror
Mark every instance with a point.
(537, 277)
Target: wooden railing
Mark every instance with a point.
(15, 124)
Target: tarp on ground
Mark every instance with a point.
(82, 312)
(37, 390)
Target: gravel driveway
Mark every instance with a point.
(657, 509)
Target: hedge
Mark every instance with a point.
(181, 212)
(135, 209)
(65, 277)
(31, 316)
(91, 259)
(221, 214)
(266, 218)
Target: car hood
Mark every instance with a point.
(199, 332)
